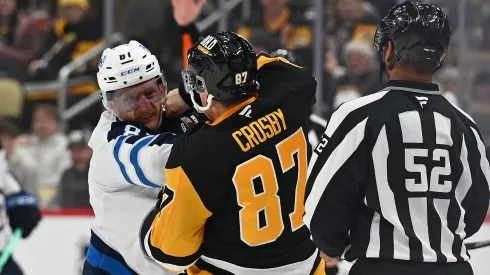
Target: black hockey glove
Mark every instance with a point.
(23, 212)
(185, 95)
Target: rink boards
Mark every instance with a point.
(56, 246)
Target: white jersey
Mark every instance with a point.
(8, 186)
(126, 171)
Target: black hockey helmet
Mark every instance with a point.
(418, 32)
(224, 64)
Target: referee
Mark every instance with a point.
(400, 178)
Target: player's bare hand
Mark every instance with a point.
(330, 262)
(174, 104)
(186, 11)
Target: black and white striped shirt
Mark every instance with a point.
(399, 174)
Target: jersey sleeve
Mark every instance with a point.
(285, 79)
(336, 171)
(139, 156)
(477, 200)
(173, 235)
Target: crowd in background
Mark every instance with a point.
(38, 38)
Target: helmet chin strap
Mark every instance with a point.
(199, 108)
(160, 119)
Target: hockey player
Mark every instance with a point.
(21, 209)
(233, 199)
(126, 169)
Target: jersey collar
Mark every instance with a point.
(413, 86)
(231, 111)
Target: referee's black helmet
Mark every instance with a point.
(418, 33)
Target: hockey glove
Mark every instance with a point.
(186, 96)
(23, 212)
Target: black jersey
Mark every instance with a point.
(235, 187)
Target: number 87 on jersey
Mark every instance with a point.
(257, 185)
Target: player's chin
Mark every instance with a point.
(151, 122)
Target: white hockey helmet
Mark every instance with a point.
(125, 66)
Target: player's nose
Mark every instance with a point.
(143, 102)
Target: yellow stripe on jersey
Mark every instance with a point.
(178, 229)
(321, 268)
(262, 60)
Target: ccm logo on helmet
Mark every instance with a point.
(130, 71)
(101, 62)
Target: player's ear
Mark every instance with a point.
(389, 54)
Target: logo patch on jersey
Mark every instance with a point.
(247, 111)
(422, 100)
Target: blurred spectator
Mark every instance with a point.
(349, 20)
(21, 162)
(277, 19)
(18, 40)
(151, 22)
(146, 22)
(447, 78)
(484, 9)
(72, 192)
(288, 55)
(75, 33)
(49, 147)
(480, 102)
(383, 6)
(262, 41)
(361, 76)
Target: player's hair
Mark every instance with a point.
(48, 109)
